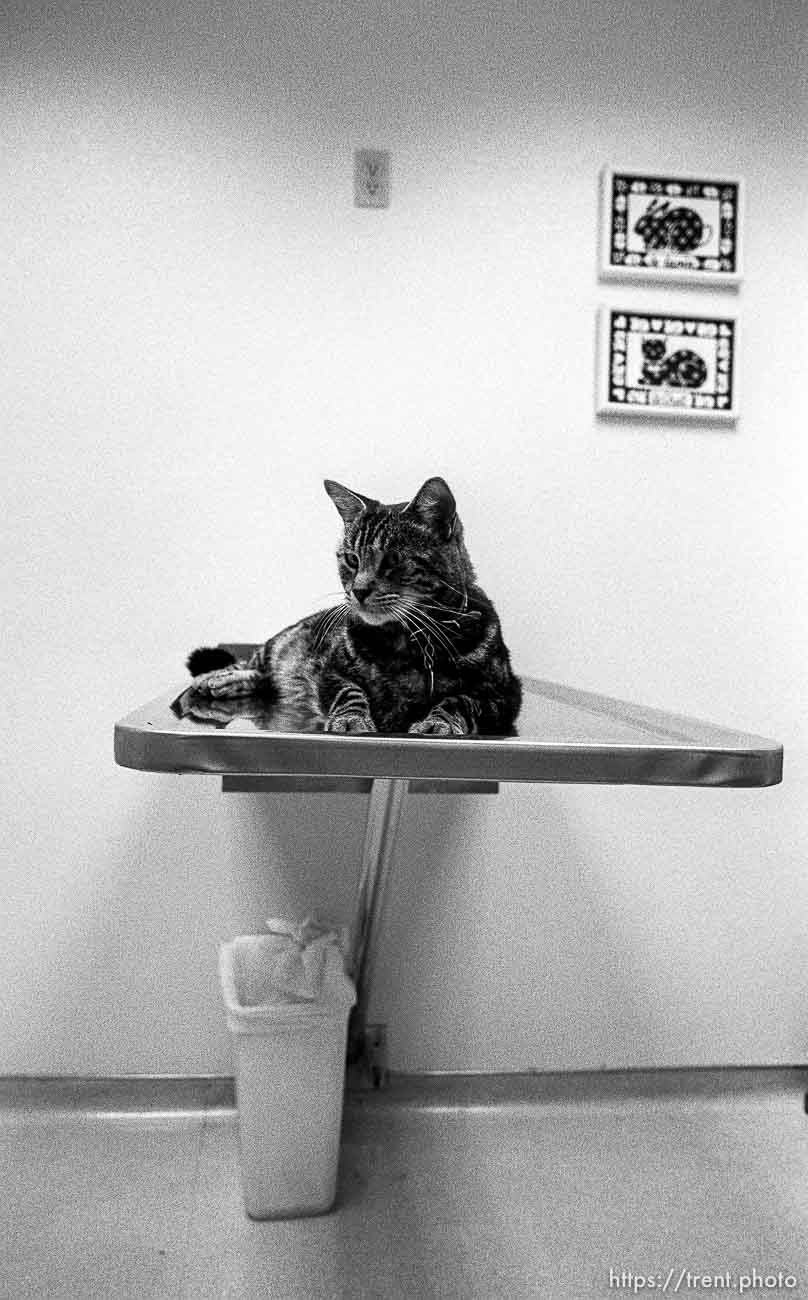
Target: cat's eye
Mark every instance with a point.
(351, 559)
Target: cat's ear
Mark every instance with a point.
(350, 504)
(435, 506)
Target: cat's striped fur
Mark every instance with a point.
(414, 647)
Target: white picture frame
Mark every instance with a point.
(684, 229)
(670, 364)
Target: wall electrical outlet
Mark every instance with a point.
(372, 178)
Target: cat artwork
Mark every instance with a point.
(415, 646)
(681, 369)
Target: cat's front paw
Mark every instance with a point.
(439, 723)
(226, 683)
(350, 724)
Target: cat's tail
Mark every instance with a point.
(208, 658)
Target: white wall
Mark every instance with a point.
(199, 326)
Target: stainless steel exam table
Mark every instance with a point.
(564, 736)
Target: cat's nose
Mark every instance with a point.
(361, 591)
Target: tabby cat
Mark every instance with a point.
(414, 647)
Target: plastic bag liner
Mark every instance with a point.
(293, 971)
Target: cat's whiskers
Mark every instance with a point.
(423, 606)
(339, 617)
(327, 622)
(406, 622)
(320, 628)
(399, 617)
(417, 628)
(443, 583)
(449, 609)
(432, 630)
(427, 624)
(421, 609)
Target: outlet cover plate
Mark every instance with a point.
(372, 178)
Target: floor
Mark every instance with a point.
(565, 1190)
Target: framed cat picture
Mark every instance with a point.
(676, 228)
(667, 365)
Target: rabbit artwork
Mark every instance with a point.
(679, 229)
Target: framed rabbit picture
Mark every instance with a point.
(667, 365)
(676, 228)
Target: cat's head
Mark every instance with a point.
(393, 559)
(653, 349)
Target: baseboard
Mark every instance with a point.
(208, 1093)
(569, 1087)
(127, 1092)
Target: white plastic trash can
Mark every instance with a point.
(290, 1078)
